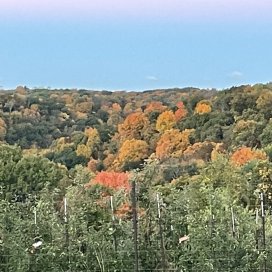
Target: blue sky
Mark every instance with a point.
(134, 47)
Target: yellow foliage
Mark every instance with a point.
(131, 151)
(264, 100)
(242, 125)
(203, 107)
(62, 143)
(63, 116)
(36, 151)
(93, 139)
(91, 133)
(218, 149)
(84, 107)
(83, 150)
(34, 107)
(166, 121)
(172, 143)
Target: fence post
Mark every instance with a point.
(113, 224)
(67, 237)
(263, 230)
(135, 224)
(161, 234)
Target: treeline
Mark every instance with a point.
(101, 128)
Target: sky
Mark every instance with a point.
(135, 44)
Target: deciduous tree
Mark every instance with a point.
(245, 154)
(203, 107)
(181, 112)
(155, 106)
(172, 143)
(134, 126)
(166, 121)
(131, 153)
(112, 180)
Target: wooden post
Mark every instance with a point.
(257, 228)
(161, 235)
(233, 223)
(67, 238)
(263, 229)
(135, 224)
(212, 229)
(35, 216)
(113, 224)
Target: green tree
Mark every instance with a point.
(10, 156)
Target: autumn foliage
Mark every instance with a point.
(246, 154)
(83, 107)
(133, 126)
(2, 129)
(181, 112)
(264, 100)
(112, 180)
(93, 139)
(62, 143)
(92, 165)
(131, 151)
(166, 121)
(172, 143)
(155, 106)
(199, 151)
(123, 210)
(203, 107)
(116, 107)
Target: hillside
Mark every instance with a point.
(201, 160)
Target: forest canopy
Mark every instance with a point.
(201, 160)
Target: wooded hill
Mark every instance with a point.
(201, 160)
